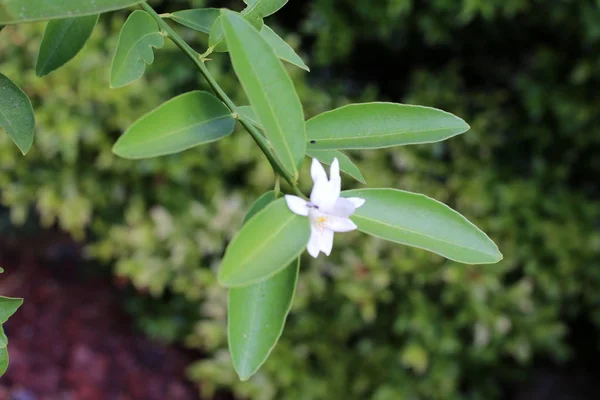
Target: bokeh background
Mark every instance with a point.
(116, 259)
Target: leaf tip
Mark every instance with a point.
(25, 147)
(39, 72)
(244, 370)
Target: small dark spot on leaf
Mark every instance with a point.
(313, 141)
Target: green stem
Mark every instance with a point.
(196, 59)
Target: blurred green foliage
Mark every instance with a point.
(374, 320)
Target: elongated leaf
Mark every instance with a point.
(281, 48)
(248, 113)
(269, 89)
(17, 11)
(63, 39)
(3, 338)
(3, 361)
(377, 125)
(200, 19)
(263, 8)
(8, 306)
(181, 123)
(257, 313)
(256, 318)
(265, 245)
(139, 34)
(417, 220)
(346, 165)
(16, 114)
(260, 203)
(217, 41)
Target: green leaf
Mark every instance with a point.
(17, 11)
(8, 306)
(257, 313)
(260, 203)
(16, 114)
(269, 89)
(186, 121)
(262, 8)
(417, 220)
(281, 48)
(248, 113)
(217, 41)
(200, 19)
(265, 245)
(139, 34)
(3, 361)
(256, 317)
(346, 165)
(3, 338)
(63, 39)
(378, 125)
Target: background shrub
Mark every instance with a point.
(374, 320)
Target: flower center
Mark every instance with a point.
(320, 222)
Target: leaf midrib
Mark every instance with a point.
(421, 234)
(252, 70)
(169, 134)
(58, 43)
(368, 136)
(252, 254)
(123, 63)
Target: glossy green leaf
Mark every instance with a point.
(417, 220)
(257, 313)
(256, 317)
(139, 34)
(263, 8)
(17, 11)
(346, 165)
(377, 125)
(248, 113)
(63, 39)
(217, 41)
(8, 306)
(200, 19)
(3, 361)
(260, 203)
(265, 245)
(186, 121)
(281, 48)
(16, 114)
(269, 89)
(3, 338)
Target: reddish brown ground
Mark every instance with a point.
(72, 341)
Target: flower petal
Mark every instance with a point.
(334, 171)
(342, 208)
(335, 180)
(317, 172)
(357, 201)
(326, 241)
(339, 224)
(313, 246)
(323, 195)
(296, 205)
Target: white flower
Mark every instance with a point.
(326, 210)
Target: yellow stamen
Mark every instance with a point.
(320, 222)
